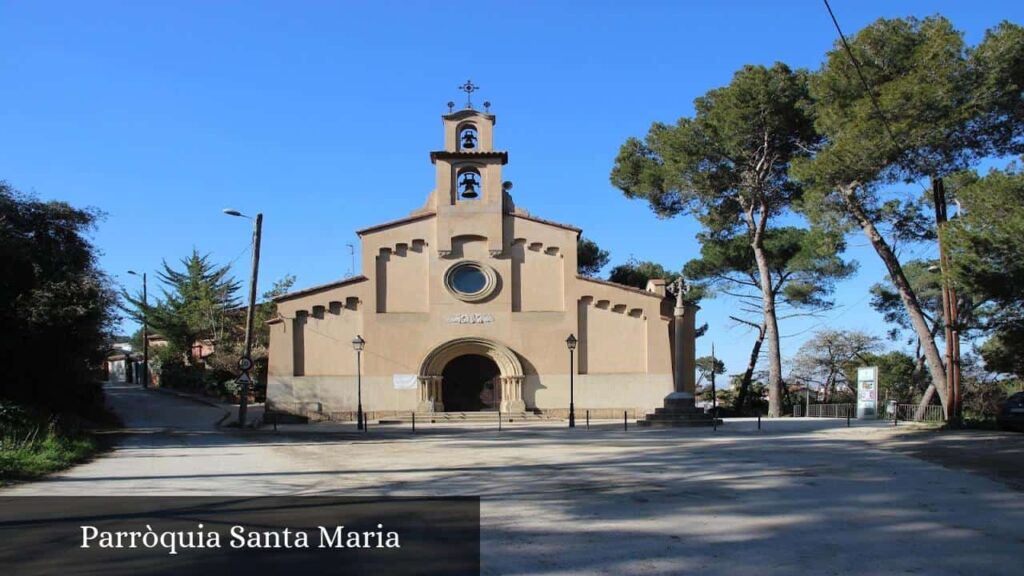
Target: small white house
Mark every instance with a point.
(117, 362)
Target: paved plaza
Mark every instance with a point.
(799, 496)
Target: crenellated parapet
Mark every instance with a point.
(402, 249)
(619, 299)
(537, 247)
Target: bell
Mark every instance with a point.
(468, 140)
(469, 187)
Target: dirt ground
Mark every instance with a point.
(806, 496)
(996, 455)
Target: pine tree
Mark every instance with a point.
(196, 304)
(728, 166)
(908, 102)
(804, 266)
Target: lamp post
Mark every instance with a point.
(145, 330)
(714, 392)
(246, 360)
(358, 344)
(570, 343)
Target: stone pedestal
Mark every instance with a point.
(680, 407)
(680, 410)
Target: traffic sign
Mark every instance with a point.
(244, 379)
(244, 363)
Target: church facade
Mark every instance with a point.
(467, 305)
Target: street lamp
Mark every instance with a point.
(246, 361)
(358, 344)
(714, 391)
(145, 330)
(570, 343)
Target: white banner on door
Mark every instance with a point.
(405, 381)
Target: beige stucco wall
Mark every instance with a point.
(335, 396)
(607, 327)
(402, 308)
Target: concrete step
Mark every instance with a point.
(676, 417)
(464, 417)
(283, 418)
(679, 411)
(676, 423)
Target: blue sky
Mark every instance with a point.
(321, 115)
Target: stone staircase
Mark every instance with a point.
(678, 412)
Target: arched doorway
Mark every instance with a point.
(469, 383)
(496, 362)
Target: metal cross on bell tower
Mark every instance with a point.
(469, 88)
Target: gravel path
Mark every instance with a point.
(803, 496)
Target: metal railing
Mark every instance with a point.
(908, 413)
(831, 411)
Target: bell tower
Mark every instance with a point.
(468, 195)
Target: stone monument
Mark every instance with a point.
(680, 407)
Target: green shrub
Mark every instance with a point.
(33, 444)
(175, 374)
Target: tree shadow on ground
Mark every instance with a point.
(644, 501)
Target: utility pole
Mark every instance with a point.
(145, 333)
(949, 308)
(245, 362)
(243, 404)
(145, 330)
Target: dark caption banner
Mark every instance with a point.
(251, 536)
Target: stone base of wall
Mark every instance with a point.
(597, 413)
(317, 412)
(334, 398)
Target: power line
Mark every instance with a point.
(864, 82)
(860, 74)
(847, 307)
(885, 124)
(248, 247)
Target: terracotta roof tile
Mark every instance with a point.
(445, 154)
(620, 286)
(548, 222)
(321, 287)
(413, 218)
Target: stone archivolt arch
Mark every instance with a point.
(432, 367)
